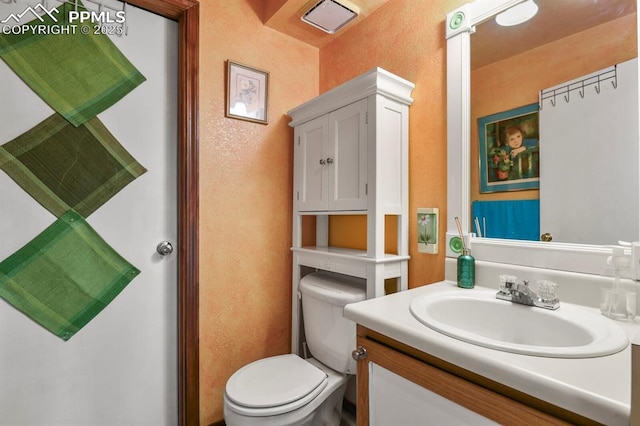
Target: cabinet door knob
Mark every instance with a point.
(329, 160)
(322, 161)
(359, 353)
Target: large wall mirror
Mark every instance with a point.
(493, 73)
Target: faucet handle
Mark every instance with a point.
(506, 283)
(547, 291)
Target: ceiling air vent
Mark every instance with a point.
(329, 15)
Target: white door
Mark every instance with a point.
(394, 400)
(589, 160)
(347, 157)
(121, 368)
(311, 165)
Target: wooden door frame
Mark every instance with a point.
(187, 14)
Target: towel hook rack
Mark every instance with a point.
(595, 80)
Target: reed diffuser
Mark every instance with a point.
(466, 263)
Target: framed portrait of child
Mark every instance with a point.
(509, 150)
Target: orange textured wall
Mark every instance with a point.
(405, 37)
(246, 168)
(245, 196)
(516, 81)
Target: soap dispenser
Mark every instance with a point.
(634, 261)
(617, 302)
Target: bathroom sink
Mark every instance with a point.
(477, 317)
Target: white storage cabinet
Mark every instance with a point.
(351, 155)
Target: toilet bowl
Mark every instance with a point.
(287, 390)
(305, 393)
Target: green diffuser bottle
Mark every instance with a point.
(466, 269)
(466, 264)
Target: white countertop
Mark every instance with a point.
(597, 388)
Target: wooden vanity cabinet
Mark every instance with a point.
(466, 393)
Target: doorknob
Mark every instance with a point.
(164, 248)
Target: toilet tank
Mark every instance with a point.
(330, 337)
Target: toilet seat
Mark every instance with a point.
(274, 385)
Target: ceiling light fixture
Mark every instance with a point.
(329, 15)
(517, 14)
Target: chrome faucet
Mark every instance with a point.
(521, 293)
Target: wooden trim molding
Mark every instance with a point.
(187, 14)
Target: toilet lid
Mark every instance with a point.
(274, 382)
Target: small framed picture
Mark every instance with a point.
(247, 93)
(428, 230)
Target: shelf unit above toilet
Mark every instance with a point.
(351, 158)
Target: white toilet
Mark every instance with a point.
(288, 390)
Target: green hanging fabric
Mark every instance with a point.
(65, 167)
(79, 75)
(65, 276)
